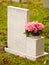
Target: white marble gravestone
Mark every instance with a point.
(16, 27)
(19, 0)
(46, 3)
(18, 43)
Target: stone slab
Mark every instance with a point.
(46, 3)
(24, 55)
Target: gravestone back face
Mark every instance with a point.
(17, 17)
(46, 3)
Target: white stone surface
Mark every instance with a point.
(35, 46)
(24, 55)
(18, 43)
(46, 3)
(16, 23)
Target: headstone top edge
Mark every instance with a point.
(18, 8)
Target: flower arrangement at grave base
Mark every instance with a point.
(33, 28)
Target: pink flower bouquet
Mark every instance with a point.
(33, 28)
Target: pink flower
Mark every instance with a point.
(40, 26)
(35, 30)
(28, 26)
(34, 26)
(34, 23)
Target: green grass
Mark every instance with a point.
(36, 13)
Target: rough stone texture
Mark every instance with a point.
(46, 3)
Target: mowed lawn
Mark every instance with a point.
(36, 13)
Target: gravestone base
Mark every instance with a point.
(23, 55)
(27, 47)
